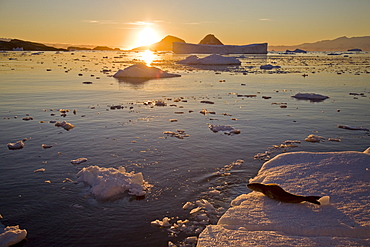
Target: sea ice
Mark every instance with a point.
(341, 178)
(65, 125)
(78, 161)
(314, 138)
(269, 66)
(225, 128)
(310, 96)
(143, 71)
(109, 183)
(352, 127)
(17, 145)
(213, 59)
(12, 235)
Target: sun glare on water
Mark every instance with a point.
(148, 57)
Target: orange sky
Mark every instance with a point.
(117, 23)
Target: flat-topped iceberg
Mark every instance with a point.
(111, 183)
(213, 59)
(188, 48)
(256, 220)
(143, 71)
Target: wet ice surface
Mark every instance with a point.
(169, 140)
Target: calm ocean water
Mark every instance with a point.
(60, 213)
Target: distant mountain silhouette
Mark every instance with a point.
(210, 39)
(164, 45)
(26, 45)
(338, 44)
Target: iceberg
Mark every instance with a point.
(256, 220)
(111, 183)
(143, 71)
(213, 59)
(188, 48)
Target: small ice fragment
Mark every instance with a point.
(39, 170)
(334, 139)
(44, 146)
(191, 240)
(325, 200)
(314, 138)
(17, 145)
(352, 127)
(78, 161)
(214, 192)
(187, 205)
(65, 125)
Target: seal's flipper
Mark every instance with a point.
(313, 199)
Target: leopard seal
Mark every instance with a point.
(275, 192)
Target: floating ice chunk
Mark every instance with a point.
(165, 222)
(269, 66)
(188, 205)
(225, 128)
(314, 138)
(39, 170)
(17, 145)
(352, 127)
(78, 161)
(64, 125)
(12, 235)
(143, 71)
(310, 96)
(45, 146)
(108, 183)
(213, 59)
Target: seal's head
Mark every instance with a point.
(256, 187)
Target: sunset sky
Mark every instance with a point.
(118, 23)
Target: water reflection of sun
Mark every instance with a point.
(148, 57)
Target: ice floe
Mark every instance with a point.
(352, 127)
(143, 71)
(16, 145)
(111, 183)
(310, 96)
(213, 59)
(12, 235)
(78, 161)
(65, 125)
(227, 129)
(341, 178)
(314, 138)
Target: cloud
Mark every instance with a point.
(139, 23)
(101, 22)
(265, 19)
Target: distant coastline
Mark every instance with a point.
(339, 44)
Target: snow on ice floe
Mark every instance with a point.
(110, 183)
(143, 71)
(310, 96)
(12, 235)
(342, 219)
(213, 59)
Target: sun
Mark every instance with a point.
(147, 36)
